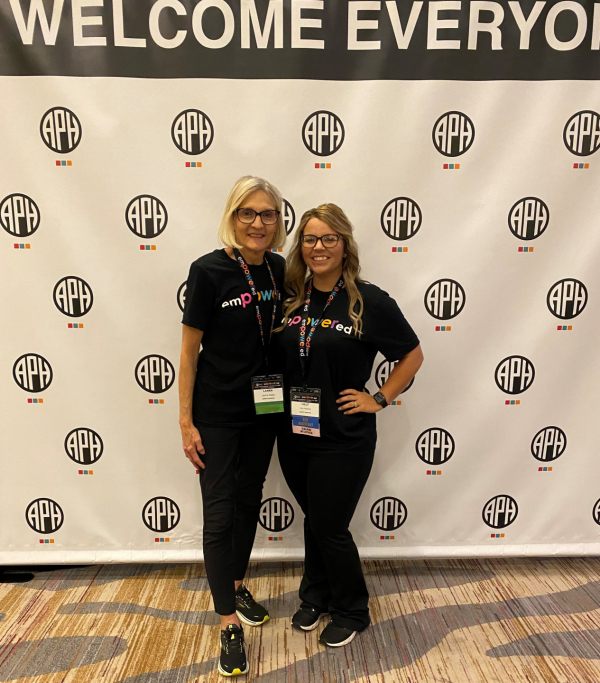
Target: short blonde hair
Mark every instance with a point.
(244, 187)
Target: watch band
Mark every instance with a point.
(381, 399)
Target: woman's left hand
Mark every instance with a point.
(353, 401)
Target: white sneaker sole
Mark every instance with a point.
(236, 672)
(344, 642)
(314, 626)
(252, 623)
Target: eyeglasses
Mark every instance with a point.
(268, 216)
(328, 241)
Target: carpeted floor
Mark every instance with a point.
(458, 621)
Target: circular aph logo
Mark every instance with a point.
(192, 132)
(19, 215)
(146, 216)
(596, 512)
(181, 295)
(401, 218)
(289, 216)
(73, 296)
(60, 130)
(383, 371)
(500, 511)
(567, 298)
(44, 516)
(528, 218)
(84, 446)
(32, 373)
(582, 133)
(453, 134)
(323, 133)
(388, 513)
(435, 446)
(548, 444)
(515, 374)
(276, 514)
(445, 299)
(161, 514)
(155, 374)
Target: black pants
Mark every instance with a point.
(236, 459)
(328, 488)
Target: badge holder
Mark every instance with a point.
(306, 409)
(268, 394)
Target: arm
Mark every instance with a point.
(190, 437)
(399, 379)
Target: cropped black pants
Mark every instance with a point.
(236, 461)
(328, 487)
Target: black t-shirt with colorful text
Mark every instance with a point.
(218, 302)
(339, 360)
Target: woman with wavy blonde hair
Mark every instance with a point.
(334, 324)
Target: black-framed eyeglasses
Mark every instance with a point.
(268, 216)
(328, 241)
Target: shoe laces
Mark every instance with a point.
(233, 641)
(244, 595)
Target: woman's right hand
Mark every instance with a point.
(192, 444)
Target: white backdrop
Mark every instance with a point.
(126, 150)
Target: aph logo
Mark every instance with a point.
(60, 130)
(192, 132)
(582, 133)
(44, 516)
(453, 134)
(73, 296)
(32, 373)
(567, 298)
(500, 511)
(435, 446)
(382, 374)
(323, 133)
(388, 513)
(84, 446)
(528, 218)
(445, 299)
(515, 374)
(19, 215)
(596, 512)
(181, 296)
(289, 217)
(401, 218)
(146, 216)
(161, 514)
(276, 514)
(155, 374)
(548, 444)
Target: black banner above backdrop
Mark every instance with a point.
(309, 39)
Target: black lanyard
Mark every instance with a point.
(306, 339)
(254, 293)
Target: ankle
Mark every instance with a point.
(229, 619)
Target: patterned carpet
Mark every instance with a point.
(458, 621)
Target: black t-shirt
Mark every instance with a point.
(218, 302)
(340, 360)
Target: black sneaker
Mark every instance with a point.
(247, 609)
(232, 661)
(336, 636)
(307, 618)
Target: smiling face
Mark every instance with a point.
(255, 236)
(321, 260)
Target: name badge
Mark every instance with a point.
(268, 394)
(306, 409)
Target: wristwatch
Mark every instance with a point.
(381, 399)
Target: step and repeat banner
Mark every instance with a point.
(462, 140)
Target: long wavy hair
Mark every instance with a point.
(297, 272)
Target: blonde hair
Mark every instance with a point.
(244, 187)
(297, 272)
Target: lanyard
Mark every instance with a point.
(306, 339)
(254, 293)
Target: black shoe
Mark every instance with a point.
(336, 636)
(307, 618)
(232, 661)
(247, 609)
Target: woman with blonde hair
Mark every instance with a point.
(334, 325)
(226, 396)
